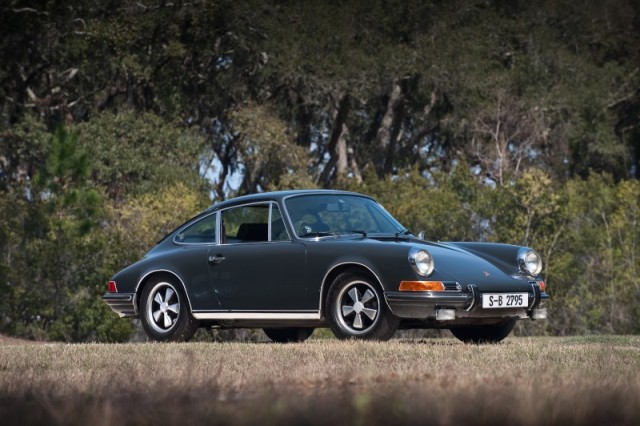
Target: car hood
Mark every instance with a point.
(493, 267)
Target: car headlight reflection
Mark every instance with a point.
(421, 261)
(530, 262)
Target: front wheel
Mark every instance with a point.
(288, 334)
(484, 333)
(355, 309)
(164, 312)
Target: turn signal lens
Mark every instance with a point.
(112, 287)
(542, 285)
(421, 286)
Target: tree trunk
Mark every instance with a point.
(355, 169)
(388, 132)
(341, 153)
(336, 167)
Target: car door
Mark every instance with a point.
(257, 267)
(189, 261)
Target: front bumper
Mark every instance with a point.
(123, 304)
(451, 305)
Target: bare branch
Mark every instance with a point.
(29, 10)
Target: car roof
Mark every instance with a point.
(278, 196)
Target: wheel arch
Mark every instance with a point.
(159, 273)
(340, 268)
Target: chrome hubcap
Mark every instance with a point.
(358, 307)
(163, 307)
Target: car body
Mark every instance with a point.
(292, 261)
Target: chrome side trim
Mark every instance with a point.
(218, 228)
(269, 230)
(193, 244)
(255, 315)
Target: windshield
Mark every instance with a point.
(319, 215)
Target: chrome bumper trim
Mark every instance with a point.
(123, 304)
(425, 305)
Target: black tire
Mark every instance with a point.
(288, 334)
(484, 333)
(355, 309)
(164, 311)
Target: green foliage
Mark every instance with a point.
(494, 121)
(23, 151)
(595, 261)
(138, 153)
(270, 157)
(586, 232)
(50, 241)
(431, 205)
(136, 225)
(62, 184)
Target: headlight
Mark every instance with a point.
(421, 261)
(529, 262)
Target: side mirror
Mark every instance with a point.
(421, 235)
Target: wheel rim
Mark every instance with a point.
(358, 307)
(163, 307)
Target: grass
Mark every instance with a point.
(573, 380)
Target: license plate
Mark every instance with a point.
(505, 300)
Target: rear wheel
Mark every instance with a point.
(164, 311)
(484, 333)
(288, 334)
(356, 309)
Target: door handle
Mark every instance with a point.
(216, 258)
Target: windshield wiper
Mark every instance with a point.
(320, 234)
(363, 233)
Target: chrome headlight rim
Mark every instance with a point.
(530, 262)
(421, 261)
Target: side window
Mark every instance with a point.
(203, 231)
(245, 224)
(278, 230)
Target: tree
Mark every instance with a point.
(471, 120)
(57, 248)
(138, 153)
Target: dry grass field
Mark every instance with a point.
(529, 381)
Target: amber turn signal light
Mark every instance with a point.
(542, 285)
(421, 286)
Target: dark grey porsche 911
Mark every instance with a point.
(292, 261)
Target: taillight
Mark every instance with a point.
(112, 287)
